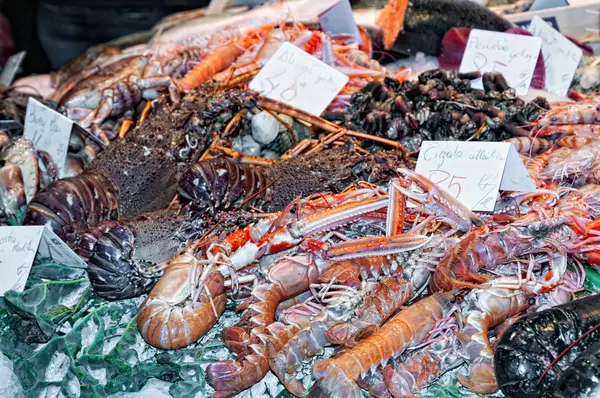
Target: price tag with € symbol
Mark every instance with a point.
(297, 78)
(473, 172)
(515, 56)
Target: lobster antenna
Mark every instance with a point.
(562, 354)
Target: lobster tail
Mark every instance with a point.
(286, 362)
(111, 274)
(480, 379)
(229, 377)
(333, 381)
(121, 259)
(73, 205)
(220, 184)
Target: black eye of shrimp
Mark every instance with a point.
(532, 301)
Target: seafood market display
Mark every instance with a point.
(238, 245)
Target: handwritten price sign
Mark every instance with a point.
(297, 78)
(561, 56)
(473, 172)
(49, 131)
(514, 56)
(19, 247)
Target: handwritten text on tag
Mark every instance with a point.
(19, 247)
(49, 131)
(561, 56)
(514, 56)
(297, 78)
(473, 172)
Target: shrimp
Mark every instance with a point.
(220, 58)
(289, 277)
(378, 304)
(168, 319)
(383, 301)
(425, 365)
(578, 130)
(570, 114)
(337, 376)
(481, 310)
(530, 145)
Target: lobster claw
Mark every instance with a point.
(439, 202)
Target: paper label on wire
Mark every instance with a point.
(48, 131)
(297, 78)
(514, 56)
(473, 172)
(561, 56)
(20, 246)
(339, 19)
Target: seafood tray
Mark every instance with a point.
(237, 245)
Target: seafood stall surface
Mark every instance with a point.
(239, 246)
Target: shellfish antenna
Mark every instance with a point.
(562, 354)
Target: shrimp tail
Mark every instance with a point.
(480, 379)
(333, 380)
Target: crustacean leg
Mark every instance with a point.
(440, 203)
(333, 129)
(439, 355)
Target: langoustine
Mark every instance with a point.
(337, 376)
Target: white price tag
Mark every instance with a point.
(339, 19)
(561, 56)
(514, 56)
(11, 68)
(297, 78)
(49, 131)
(19, 247)
(473, 172)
